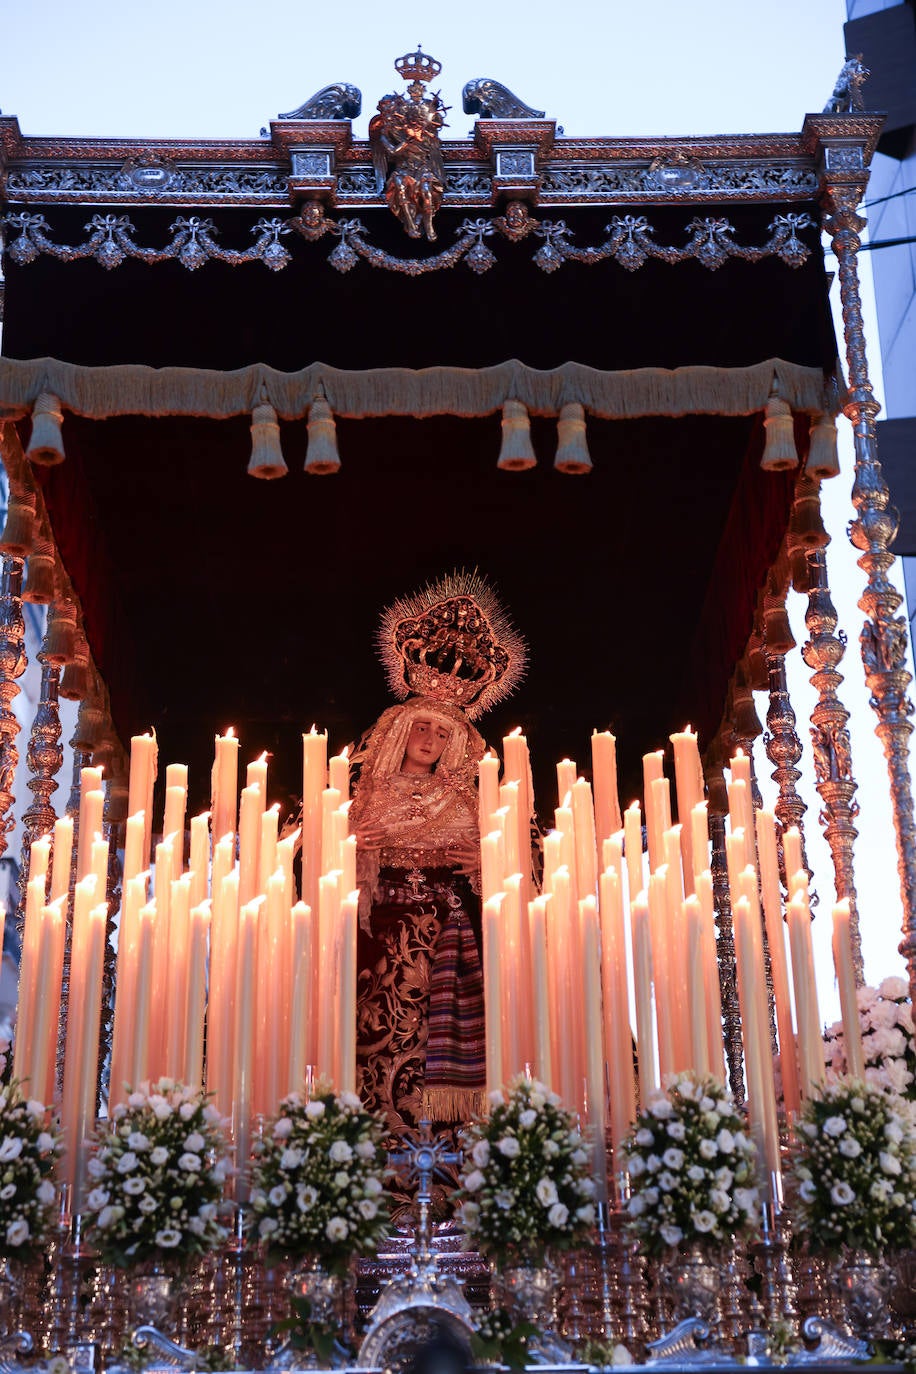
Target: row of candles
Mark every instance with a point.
(615, 948)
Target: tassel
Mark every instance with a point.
(90, 726)
(823, 461)
(806, 524)
(777, 633)
(516, 453)
(779, 452)
(267, 459)
(798, 564)
(321, 456)
(46, 444)
(19, 530)
(60, 638)
(76, 683)
(572, 449)
(39, 582)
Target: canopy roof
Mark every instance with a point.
(211, 599)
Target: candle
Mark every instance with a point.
(696, 982)
(487, 791)
(632, 830)
(301, 1040)
(716, 1046)
(642, 983)
(699, 838)
(63, 849)
(518, 770)
(192, 1068)
(339, 773)
(245, 1003)
(200, 857)
(509, 806)
(492, 864)
(224, 783)
(755, 1030)
(617, 1035)
(173, 823)
(314, 781)
(593, 1020)
(347, 1015)
(328, 908)
(810, 1043)
(846, 979)
(492, 950)
(28, 973)
(566, 776)
(688, 782)
(177, 984)
(562, 942)
(267, 845)
(82, 1035)
(676, 947)
(139, 1050)
(39, 857)
(585, 839)
(144, 756)
(256, 775)
(126, 988)
(286, 853)
(515, 987)
(604, 779)
(272, 1001)
(658, 921)
(92, 803)
(41, 1067)
(249, 843)
(775, 928)
(134, 841)
(330, 801)
(653, 770)
(796, 874)
(553, 856)
(537, 925)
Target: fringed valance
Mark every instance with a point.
(133, 389)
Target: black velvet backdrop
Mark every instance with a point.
(212, 599)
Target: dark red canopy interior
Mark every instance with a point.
(212, 599)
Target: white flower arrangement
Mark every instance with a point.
(157, 1173)
(692, 1168)
(886, 1021)
(318, 1179)
(28, 1149)
(525, 1182)
(854, 1170)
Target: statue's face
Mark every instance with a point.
(425, 744)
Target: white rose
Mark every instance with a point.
(314, 1110)
(586, 1213)
(558, 1214)
(636, 1206)
(807, 1191)
(162, 1111)
(340, 1152)
(341, 1180)
(537, 1100)
(890, 1164)
(527, 1119)
(282, 1128)
(350, 1101)
(835, 1126)
(505, 1199)
(45, 1142)
(187, 1110)
(644, 1136)
(136, 1100)
(746, 1200)
(470, 1214)
(636, 1165)
(481, 1154)
(10, 1149)
(894, 988)
(17, 1232)
(336, 1229)
(661, 1108)
(109, 1215)
(725, 1141)
(364, 1149)
(850, 1147)
(546, 1191)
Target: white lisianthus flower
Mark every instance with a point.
(558, 1214)
(340, 1152)
(673, 1157)
(349, 1100)
(718, 1200)
(367, 1208)
(835, 1126)
(725, 1141)
(291, 1157)
(527, 1119)
(850, 1147)
(746, 1199)
(661, 1108)
(267, 1226)
(676, 1130)
(586, 1213)
(703, 1221)
(134, 1186)
(168, 1237)
(666, 1181)
(306, 1197)
(147, 1203)
(505, 1199)
(509, 1147)
(474, 1181)
(546, 1191)
(162, 1110)
(45, 1142)
(807, 1191)
(586, 1187)
(127, 1163)
(341, 1180)
(696, 1174)
(46, 1192)
(17, 1233)
(336, 1229)
(893, 1131)
(644, 1136)
(277, 1195)
(314, 1110)
(187, 1110)
(372, 1187)
(636, 1206)
(97, 1199)
(190, 1163)
(890, 1164)
(708, 1148)
(109, 1215)
(579, 1159)
(195, 1143)
(537, 1100)
(470, 1214)
(636, 1165)
(136, 1140)
(893, 988)
(842, 1194)
(135, 1100)
(364, 1149)
(158, 1155)
(671, 1235)
(282, 1128)
(10, 1149)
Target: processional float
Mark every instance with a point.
(615, 390)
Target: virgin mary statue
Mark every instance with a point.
(450, 652)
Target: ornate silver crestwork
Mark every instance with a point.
(884, 634)
(725, 955)
(194, 242)
(781, 741)
(45, 756)
(830, 740)
(489, 99)
(337, 101)
(12, 666)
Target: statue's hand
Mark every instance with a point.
(370, 836)
(465, 858)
